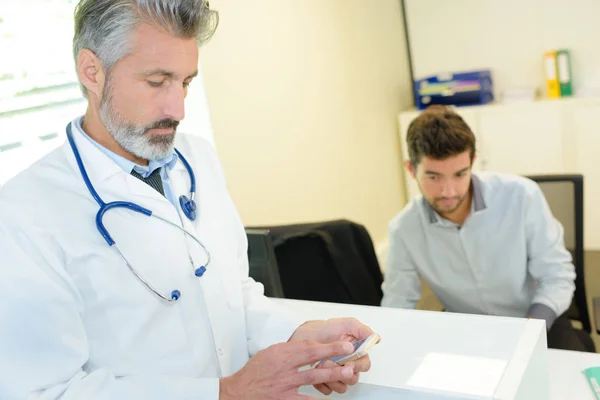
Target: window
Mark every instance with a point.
(39, 93)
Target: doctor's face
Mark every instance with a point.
(445, 184)
(143, 96)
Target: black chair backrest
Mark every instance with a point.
(263, 264)
(564, 194)
(331, 261)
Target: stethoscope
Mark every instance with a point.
(188, 206)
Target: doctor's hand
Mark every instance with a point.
(273, 373)
(331, 330)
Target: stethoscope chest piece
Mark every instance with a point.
(188, 206)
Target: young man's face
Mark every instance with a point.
(143, 99)
(445, 184)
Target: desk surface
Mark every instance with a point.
(566, 379)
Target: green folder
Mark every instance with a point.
(565, 78)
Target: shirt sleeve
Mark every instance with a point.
(402, 284)
(549, 263)
(541, 311)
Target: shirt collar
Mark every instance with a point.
(477, 203)
(478, 200)
(125, 164)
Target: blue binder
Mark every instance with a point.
(460, 89)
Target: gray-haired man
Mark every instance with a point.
(81, 321)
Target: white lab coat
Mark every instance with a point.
(74, 321)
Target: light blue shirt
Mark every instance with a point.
(166, 164)
(508, 258)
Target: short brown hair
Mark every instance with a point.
(438, 133)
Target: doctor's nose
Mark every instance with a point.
(174, 105)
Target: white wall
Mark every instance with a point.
(197, 116)
(304, 97)
(508, 36)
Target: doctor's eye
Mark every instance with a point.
(155, 84)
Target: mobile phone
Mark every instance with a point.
(361, 348)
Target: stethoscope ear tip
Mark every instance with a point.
(175, 294)
(200, 271)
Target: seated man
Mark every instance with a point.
(485, 243)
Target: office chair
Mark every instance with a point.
(263, 264)
(564, 194)
(330, 261)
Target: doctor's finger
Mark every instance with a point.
(309, 353)
(342, 385)
(356, 328)
(362, 364)
(338, 387)
(316, 376)
(323, 388)
(351, 380)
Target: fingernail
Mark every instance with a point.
(347, 372)
(348, 347)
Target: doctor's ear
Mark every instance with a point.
(91, 72)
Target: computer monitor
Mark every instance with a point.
(263, 264)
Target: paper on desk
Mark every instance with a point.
(478, 376)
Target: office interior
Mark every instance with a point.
(307, 102)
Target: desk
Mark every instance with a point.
(566, 380)
(431, 355)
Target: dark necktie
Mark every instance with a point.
(154, 180)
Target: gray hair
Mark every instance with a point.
(105, 26)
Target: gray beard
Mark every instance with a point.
(133, 138)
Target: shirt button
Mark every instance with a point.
(220, 352)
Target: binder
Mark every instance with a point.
(563, 61)
(552, 75)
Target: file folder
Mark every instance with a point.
(563, 59)
(552, 75)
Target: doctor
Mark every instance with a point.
(123, 266)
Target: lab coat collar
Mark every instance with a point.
(123, 164)
(98, 165)
(178, 165)
(103, 171)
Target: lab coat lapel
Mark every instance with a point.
(212, 283)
